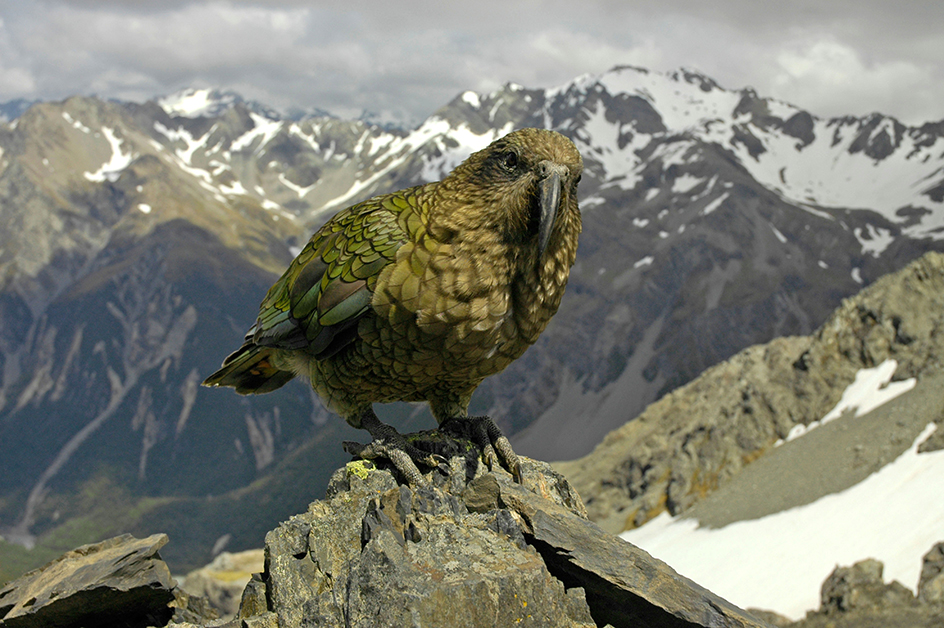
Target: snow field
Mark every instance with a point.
(780, 561)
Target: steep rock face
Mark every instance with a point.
(698, 436)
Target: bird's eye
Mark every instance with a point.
(509, 160)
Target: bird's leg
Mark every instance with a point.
(482, 431)
(388, 443)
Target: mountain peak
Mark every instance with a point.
(693, 76)
(208, 103)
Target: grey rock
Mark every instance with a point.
(121, 581)
(253, 601)
(471, 549)
(931, 581)
(374, 553)
(192, 608)
(624, 585)
(861, 587)
(857, 597)
(772, 618)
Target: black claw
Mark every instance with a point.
(389, 444)
(494, 445)
(352, 448)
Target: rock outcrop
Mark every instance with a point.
(118, 582)
(473, 548)
(470, 548)
(931, 582)
(858, 597)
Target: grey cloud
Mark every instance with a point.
(415, 56)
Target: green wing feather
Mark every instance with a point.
(329, 286)
(316, 303)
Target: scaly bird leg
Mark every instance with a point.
(482, 431)
(389, 444)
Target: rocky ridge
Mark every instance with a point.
(698, 437)
(471, 547)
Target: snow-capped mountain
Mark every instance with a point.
(138, 239)
(210, 103)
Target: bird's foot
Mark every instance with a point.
(482, 431)
(390, 445)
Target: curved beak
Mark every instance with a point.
(550, 191)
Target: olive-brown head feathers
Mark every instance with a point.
(516, 187)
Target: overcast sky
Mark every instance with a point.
(832, 57)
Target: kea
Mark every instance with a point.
(421, 294)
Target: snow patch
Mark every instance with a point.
(144, 208)
(685, 183)
(75, 123)
(234, 188)
(295, 187)
(190, 103)
(111, 169)
(262, 127)
(715, 204)
(871, 388)
(894, 515)
(472, 98)
(876, 240)
(183, 135)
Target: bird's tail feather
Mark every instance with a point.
(249, 370)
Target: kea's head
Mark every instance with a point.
(520, 189)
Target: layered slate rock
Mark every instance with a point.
(472, 548)
(624, 585)
(121, 581)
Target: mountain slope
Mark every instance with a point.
(696, 439)
(136, 241)
(860, 482)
